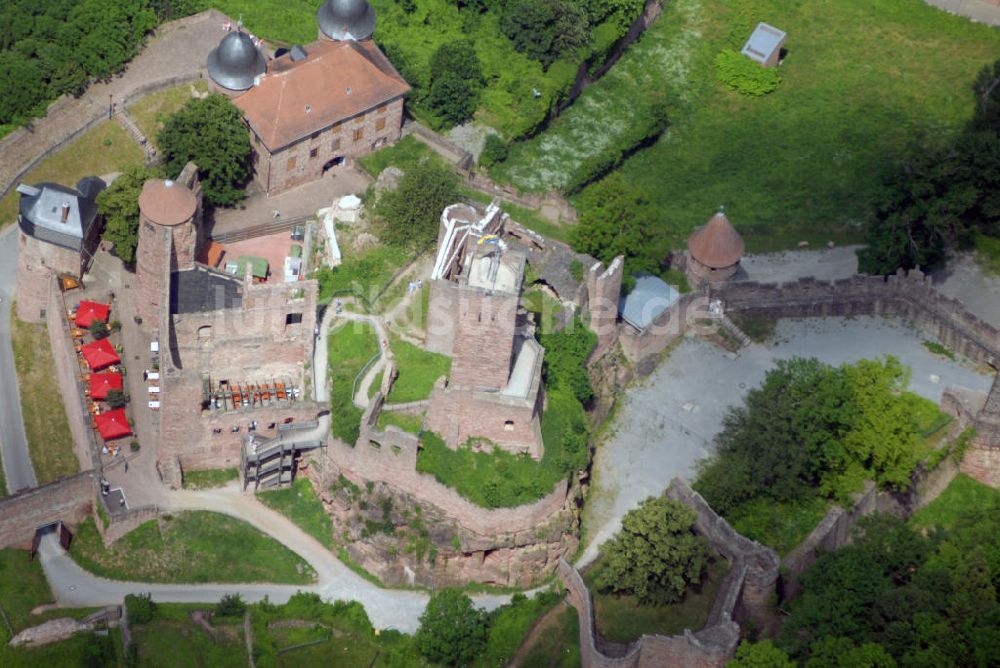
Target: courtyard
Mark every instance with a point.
(666, 422)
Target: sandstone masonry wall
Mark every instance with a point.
(70, 500)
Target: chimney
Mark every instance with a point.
(64, 214)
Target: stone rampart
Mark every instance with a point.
(745, 593)
(70, 500)
(120, 524)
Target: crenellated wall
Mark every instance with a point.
(70, 500)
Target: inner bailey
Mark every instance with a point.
(745, 594)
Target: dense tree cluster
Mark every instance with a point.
(940, 196)
(898, 596)
(119, 205)
(456, 81)
(656, 555)
(410, 214)
(52, 47)
(616, 219)
(210, 132)
(812, 428)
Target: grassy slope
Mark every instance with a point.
(418, 371)
(181, 642)
(194, 547)
(150, 111)
(106, 148)
(50, 442)
(559, 646)
(861, 80)
(962, 496)
(350, 347)
(301, 505)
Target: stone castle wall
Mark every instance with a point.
(70, 500)
(745, 593)
(604, 286)
(120, 524)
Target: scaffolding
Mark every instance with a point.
(268, 463)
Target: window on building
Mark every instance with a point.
(293, 319)
(335, 146)
(359, 134)
(205, 333)
(508, 425)
(290, 164)
(381, 110)
(313, 152)
(380, 124)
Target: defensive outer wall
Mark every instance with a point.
(743, 596)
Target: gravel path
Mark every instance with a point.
(666, 424)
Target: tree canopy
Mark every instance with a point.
(410, 214)
(456, 80)
(812, 428)
(939, 196)
(210, 132)
(655, 555)
(119, 205)
(452, 630)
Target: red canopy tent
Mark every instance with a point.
(113, 424)
(102, 383)
(100, 354)
(89, 312)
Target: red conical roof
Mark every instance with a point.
(716, 244)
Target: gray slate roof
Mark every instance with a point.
(649, 298)
(202, 290)
(346, 19)
(236, 62)
(40, 210)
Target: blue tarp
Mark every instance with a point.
(649, 298)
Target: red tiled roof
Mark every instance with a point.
(716, 244)
(336, 81)
(166, 202)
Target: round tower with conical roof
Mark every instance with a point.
(168, 240)
(346, 20)
(235, 64)
(714, 251)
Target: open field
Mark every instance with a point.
(862, 80)
(150, 112)
(191, 547)
(418, 371)
(963, 498)
(50, 442)
(107, 148)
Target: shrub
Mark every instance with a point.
(494, 151)
(141, 608)
(452, 631)
(98, 330)
(745, 76)
(230, 605)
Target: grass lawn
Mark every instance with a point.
(780, 526)
(194, 547)
(558, 646)
(622, 619)
(404, 154)
(172, 638)
(405, 421)
(349, 349)
(862, 79)
(964, 498)
(150, 112)
(209, 478)
(301, 505)
(50, 442)
(418, 371)
(364, 275)
(106, 148)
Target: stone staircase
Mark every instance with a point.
(735, 331)
(126, 122)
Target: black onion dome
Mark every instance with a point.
(346, 19)
(236, 62)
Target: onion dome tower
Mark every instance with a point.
(714, 250)
(236, 62)
(346, 20)
(168, 240)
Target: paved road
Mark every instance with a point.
(13, 442)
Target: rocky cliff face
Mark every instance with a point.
(405, 542)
